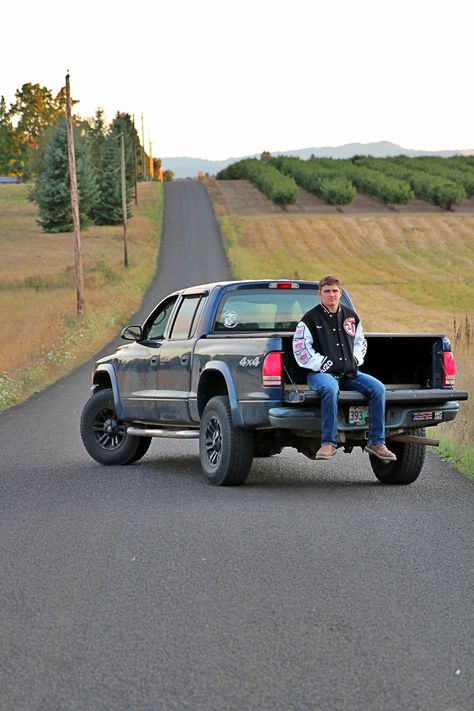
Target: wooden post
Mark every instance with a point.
(143, 153)
(124, 201)
(74, 205)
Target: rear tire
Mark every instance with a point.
(225, 451)
(105, 436)
(407, 468)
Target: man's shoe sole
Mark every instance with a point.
(327, 456)
(380, 456)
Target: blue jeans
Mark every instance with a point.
(328, 387)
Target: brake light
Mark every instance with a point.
(449, 369)
(272, 370)
(283, 285)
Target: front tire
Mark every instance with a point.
(407, 468)
(225, 451)
(105, 436)
(142, 449)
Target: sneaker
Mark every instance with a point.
(381, 452)
(326, 451)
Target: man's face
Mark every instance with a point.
(330, 296)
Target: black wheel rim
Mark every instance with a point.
(108, 430)
(214, 442)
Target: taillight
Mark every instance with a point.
(283, 285)
(449, 369)
(272, 370)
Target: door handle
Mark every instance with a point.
(184, 359)
(154, 360)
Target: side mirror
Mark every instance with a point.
(131, 333)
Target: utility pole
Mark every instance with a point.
(74, 205)
(134, 144)
(152, 167)
(143, 152)
(124, 201)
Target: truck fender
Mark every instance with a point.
(104, 373)
(224, 369)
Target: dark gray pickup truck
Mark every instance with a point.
(215, 362)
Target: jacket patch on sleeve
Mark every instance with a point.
(299, 333)
(304, 356)
(298, 345)
(350, 326)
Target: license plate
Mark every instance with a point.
(358, 414)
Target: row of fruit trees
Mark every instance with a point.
(395, 181)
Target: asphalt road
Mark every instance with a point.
(143, 587)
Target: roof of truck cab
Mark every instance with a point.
(246, 282)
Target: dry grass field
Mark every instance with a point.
(41, 335)
(406, 272)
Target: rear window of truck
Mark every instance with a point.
(264, 309)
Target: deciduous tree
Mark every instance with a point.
(34, 109)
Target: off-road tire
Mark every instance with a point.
(143, 447)
(407, 468)
(225, 451)
(105, 436)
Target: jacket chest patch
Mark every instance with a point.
(349, 326)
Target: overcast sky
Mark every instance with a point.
(218, 79)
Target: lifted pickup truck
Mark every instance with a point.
(215, 362)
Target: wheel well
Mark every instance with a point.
(210, 385)
(102, 379)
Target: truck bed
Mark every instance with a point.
(400, 361)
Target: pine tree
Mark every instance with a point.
(53, 189)
(122, 123)
(96, 135)
(108, 207)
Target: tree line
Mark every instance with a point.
(33, 146)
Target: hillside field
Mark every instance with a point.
(406, 272)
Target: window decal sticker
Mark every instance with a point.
(230, 319)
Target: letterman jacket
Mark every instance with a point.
(330, 343)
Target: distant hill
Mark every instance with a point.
(189, 167)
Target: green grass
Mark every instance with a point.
(461, 457)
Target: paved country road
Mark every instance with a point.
(142, 587)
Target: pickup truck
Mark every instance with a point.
(214, 362)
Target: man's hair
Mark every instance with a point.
(329, 281)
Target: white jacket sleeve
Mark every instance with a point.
(360, 345)
(303, 350)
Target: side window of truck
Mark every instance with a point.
(185, 321)
(156, 329)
